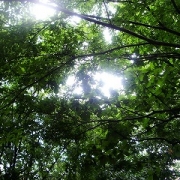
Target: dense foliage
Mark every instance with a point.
(49, 132)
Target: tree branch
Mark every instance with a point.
(107, 12)
(155, 27)
(158, 139)
(33, 83)
(175, 6)
(111, 26)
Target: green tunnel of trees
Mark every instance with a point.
(47, 132)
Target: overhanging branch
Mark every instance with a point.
(114, 27)
(104, 24)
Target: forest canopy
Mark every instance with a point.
(47, 131)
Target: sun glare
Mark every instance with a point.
(42, 12)
(71, 82)
(109, 82)
(105, 82)
(107, 35)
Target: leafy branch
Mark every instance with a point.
(111, 26)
